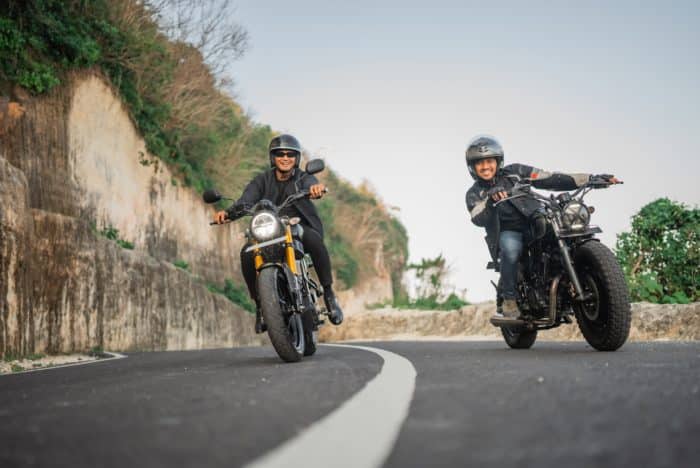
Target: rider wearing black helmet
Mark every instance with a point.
(284, 179)
(512, 222)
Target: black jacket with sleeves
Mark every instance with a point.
(265, 187)
(485, 215)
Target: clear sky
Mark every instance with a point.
(392, 91)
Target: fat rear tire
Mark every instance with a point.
(605, 319)
(519, 338)
(286, 332)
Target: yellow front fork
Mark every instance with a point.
(288, 251)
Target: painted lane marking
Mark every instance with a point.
(361, 433)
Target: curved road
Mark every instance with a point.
(474, 404)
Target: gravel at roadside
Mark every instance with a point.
(42, 362)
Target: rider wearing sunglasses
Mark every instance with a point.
(283, 179)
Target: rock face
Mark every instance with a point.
(649, 322)
(72, 164)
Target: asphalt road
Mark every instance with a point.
(475, 404)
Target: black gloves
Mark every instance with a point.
(236, 211)
(495, 189)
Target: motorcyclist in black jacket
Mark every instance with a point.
(283, 179)
(515, 222)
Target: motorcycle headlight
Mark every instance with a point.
(575, 216)
(265, 226)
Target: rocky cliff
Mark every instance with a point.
(72, 164)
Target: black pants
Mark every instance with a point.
(313, 244)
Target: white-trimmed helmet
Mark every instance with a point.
(483, 147)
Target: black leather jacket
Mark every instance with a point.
(265, 187)
(519, 210)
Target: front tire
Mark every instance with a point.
(519, 338)
(310, 334)
(604, 319)
(286, 331)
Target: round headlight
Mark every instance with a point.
(264, 226)
(575, 216)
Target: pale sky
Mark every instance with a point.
(391, 92)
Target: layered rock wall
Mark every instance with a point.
(72, 164)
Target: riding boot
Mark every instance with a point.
(510, 309)
(335, 313)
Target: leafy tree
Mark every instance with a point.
(661, 254)
(430, 275)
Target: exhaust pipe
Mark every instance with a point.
(553, 300)
(547, 322)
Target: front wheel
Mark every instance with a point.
(519, 338)
(285, 330)
(310, 333)
(605, 315)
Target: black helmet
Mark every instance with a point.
(287, 142)
(483, 147)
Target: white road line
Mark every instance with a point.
(361, 433)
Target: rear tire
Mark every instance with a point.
(604, 319)
(519, 338)
(286, 332)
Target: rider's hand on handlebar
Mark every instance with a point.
(317, 191)
(220, 217)
(609, 178)
(497, 193)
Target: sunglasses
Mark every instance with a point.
(285, 154)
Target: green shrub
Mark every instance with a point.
(112, 233)
(661, 253)
(431, 274)
(182, 264)
(234, 293)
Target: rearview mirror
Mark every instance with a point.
(211, 196)
(315, 166)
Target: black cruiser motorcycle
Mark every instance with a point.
(287, 292)
(568, 273)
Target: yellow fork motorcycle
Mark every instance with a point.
(286, 291)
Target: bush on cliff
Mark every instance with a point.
(661, 254)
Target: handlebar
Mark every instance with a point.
(523, 189)
(292, 198)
